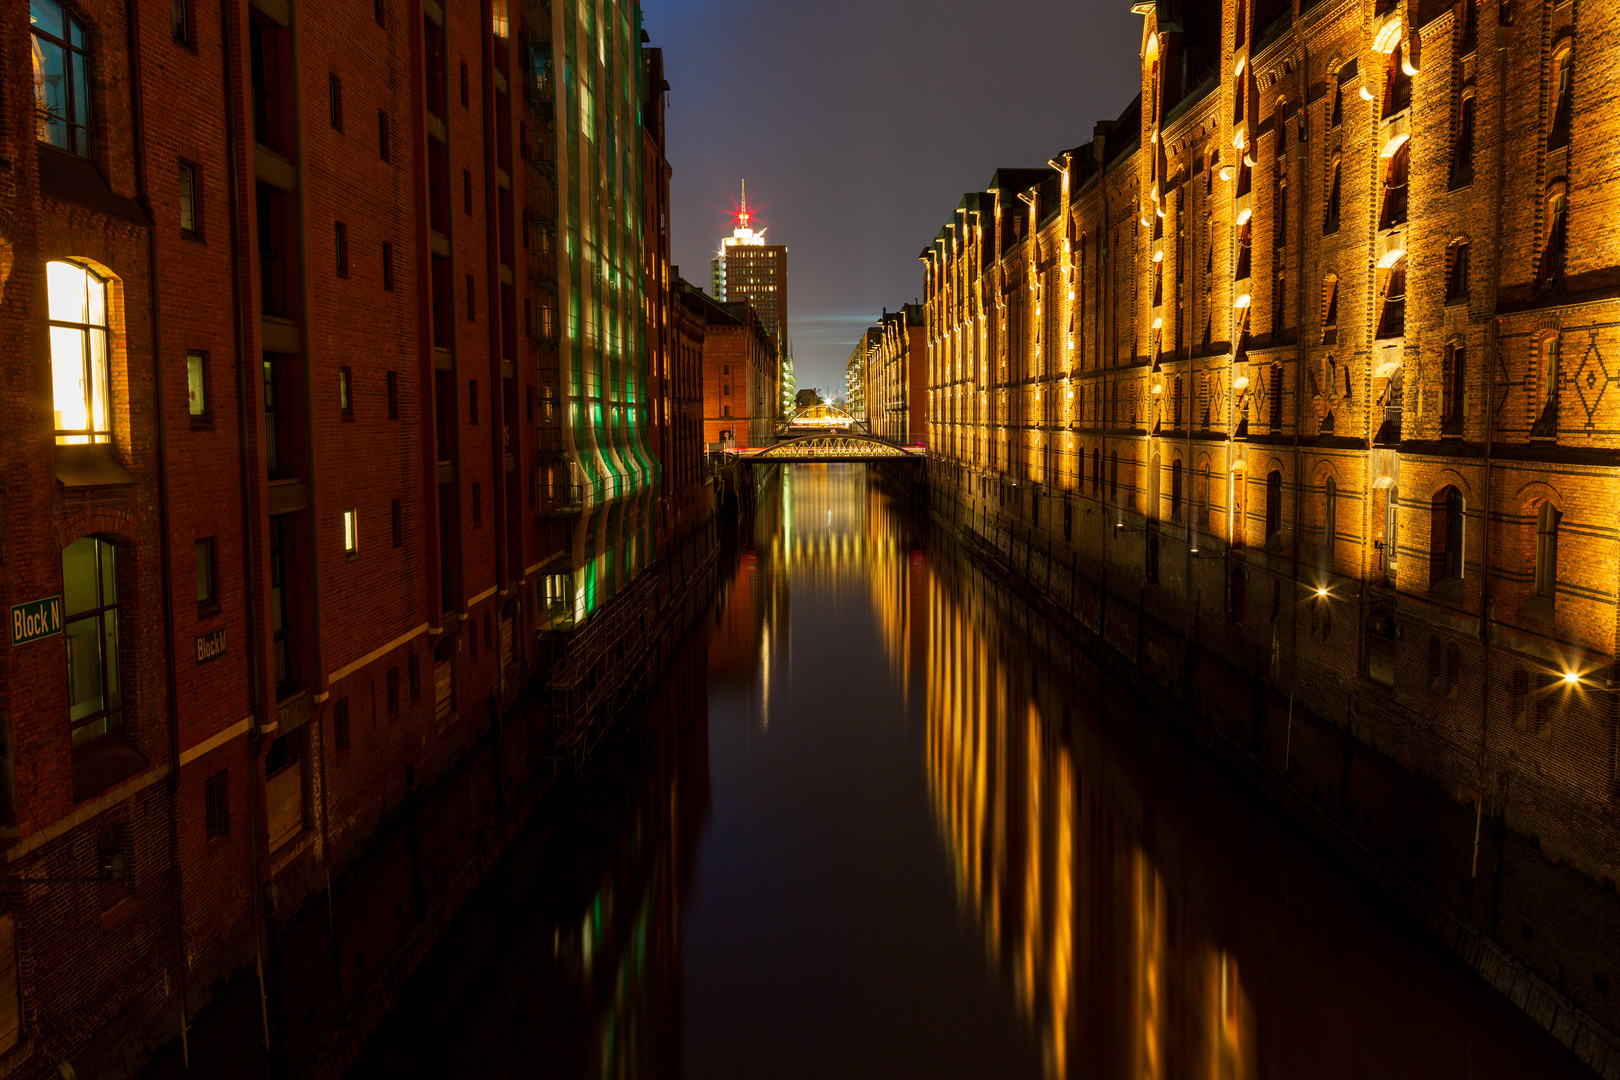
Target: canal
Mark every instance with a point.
(878, 821)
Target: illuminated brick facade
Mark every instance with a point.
(896, 389)
(1308, 357)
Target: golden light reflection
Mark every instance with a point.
(1048, 855)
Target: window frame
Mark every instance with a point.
(198, 387)
(110, 715)
(190, 177)
(207, 577)
(78, 131)
(351, 533)
(88, 361)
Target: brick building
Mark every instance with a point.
(897, 376)
(855, 373)
(740, 371)
(1298, 366)
(397, 444)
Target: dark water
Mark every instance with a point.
(881, 824)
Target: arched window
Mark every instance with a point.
(1564, 94)
(1467, 29)
(61, 78)
(1462, 150)
(1273, 505)
(1392, 318)
(1545, 409)
(1546, 577)
(1244, 249)
(1397, 84)
(80, 372)
(1550, 270)
(1237, 95)
(1336, 109)
(1330, 310)
(1245, 174)
(1446, 536)
(1396, 176)
(1457, 271)
(1240, 25)
(1330, 222)
(90, 603)
(1175, 490)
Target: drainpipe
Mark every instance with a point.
(138, 132)
(230, 37)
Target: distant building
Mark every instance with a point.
(897, 376)
(752, 271)
(740, 372)
(855, 373)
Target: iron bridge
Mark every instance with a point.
(834, 447)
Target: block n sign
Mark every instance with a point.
(39, 619)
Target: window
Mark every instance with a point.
(1453, 388)
(1550, 269)
(466, 92)
(1392, 319)
(472, 401)
(396, 515)
(207, 575)
(472, 301)
(217, 798)
(284, 786)
(1273, 504)
(180, 21)
(379, 12)
(1397, 84)
(725, 410)
(1336, 109)
(391, 681)
(334, 90)
(382, 134)
(190, 205)
(1545, 424)
(340, 723)
(351, 533)
(90, 601)
(1564, 93)
(341, 243)
(197, 388)
(1462, 151)
(388, 266)
(346, 392)
(1096, 470)
(1175, 490)
(1330, 221)
(283, 638)
(61, 78)
(393, 395)
(1330, 520)
(1330, 310)
(1546, 580)
(1395, 188)
(1244, 250)
(77, 299)
(1468, 28)
(1457, 271)
(1446, 536)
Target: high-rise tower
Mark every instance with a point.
(748, 269)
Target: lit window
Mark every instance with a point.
(79, 366)
(61, 78)
(197, 386)
(351, 533)
(90, 598)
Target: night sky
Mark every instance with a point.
(858, 124)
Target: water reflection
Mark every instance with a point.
(887, 824)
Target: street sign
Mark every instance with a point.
(35, 620)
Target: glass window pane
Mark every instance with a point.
(81, 106)
(47, 16)
(109, 572)
(109, 659)
(67, 379)
(79, 576)
(95, 300)
(50, 91)
(97, 341)
(84, 668)
(64, 283)
(195, 391)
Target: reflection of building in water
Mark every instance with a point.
(1053, 865)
